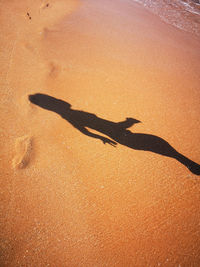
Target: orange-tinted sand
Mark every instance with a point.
(68, 199)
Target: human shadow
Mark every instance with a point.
(116, 131)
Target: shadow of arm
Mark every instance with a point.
(102, 138)
(127, 123)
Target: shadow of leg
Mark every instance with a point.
(191, 165)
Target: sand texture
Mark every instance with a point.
(100, 136)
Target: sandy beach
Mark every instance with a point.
(128, 192)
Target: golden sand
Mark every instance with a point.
(77, 201)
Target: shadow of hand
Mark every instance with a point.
(108, 141)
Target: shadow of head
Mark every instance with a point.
(47, 102)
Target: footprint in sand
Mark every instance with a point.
(28, 15)
(43, 6)
(54, 70)
(23, 149)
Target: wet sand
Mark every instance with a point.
(68, 199)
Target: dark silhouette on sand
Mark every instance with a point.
(117, 131)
